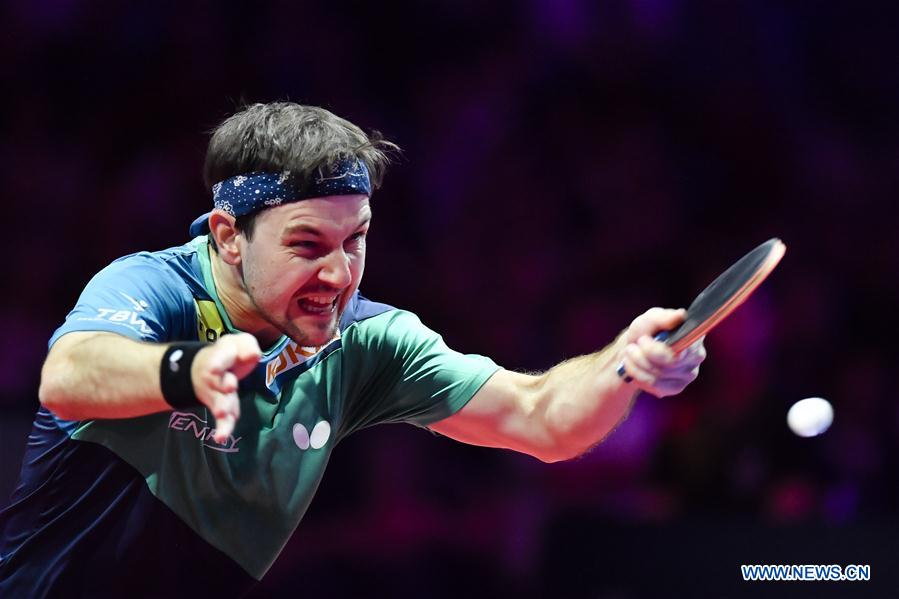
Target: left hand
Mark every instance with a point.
(652, 365)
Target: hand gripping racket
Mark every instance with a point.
(723, 296)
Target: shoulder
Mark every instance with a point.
(377, 326)
(174, 271)
(180, 260)
(360, 309)
(147, 295)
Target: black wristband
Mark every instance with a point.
(174, 374)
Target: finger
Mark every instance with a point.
(644, 378)
(673, 385)
(639, 366)
(685, 370)
(238, 353)
(637, 356)
(675, 382)
(247, 354)
(226, 412)
(224, 426)
(668, 387)
(688, 360)
(654, 321)
(682, 378)
(663, 384)
(247, 347)
(228, 383)
(226, 404)
(664, 315)
(221, 355)
(210, 374)
(657, 353)
(697, 348)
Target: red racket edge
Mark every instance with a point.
(742, 294)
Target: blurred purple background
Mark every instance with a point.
(568, 164)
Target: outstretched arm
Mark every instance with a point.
(574, 405)
(90, 375)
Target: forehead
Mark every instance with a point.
(325, 214)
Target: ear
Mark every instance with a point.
(225, 233)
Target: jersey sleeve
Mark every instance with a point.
(137, 296)
(402, 371)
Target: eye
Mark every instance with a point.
(304, 244)
(357, 237)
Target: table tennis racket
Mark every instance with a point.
(723, 296)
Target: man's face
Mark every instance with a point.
(304, 262)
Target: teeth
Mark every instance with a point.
(321, 300)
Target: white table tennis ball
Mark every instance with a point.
(809, 417)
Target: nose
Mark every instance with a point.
(335, 270)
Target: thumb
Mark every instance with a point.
(246, 354)
(654, 321)
(238, 353)
(668, 319)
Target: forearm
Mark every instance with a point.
(102, 375)
(582, 400)
(563, 412)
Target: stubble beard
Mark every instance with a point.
(326, 332)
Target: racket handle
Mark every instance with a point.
(662, 336)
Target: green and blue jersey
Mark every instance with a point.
(154, 500)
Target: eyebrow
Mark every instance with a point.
(310, 230)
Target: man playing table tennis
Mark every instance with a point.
(192, 397)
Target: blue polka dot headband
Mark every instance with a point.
(252, 192)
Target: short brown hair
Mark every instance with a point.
(284, 136)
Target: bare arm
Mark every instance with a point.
(102, 375)
(90, 375)
(565, 411)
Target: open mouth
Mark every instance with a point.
(318, 305)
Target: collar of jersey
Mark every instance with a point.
(203, 249)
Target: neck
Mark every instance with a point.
(237, 302)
